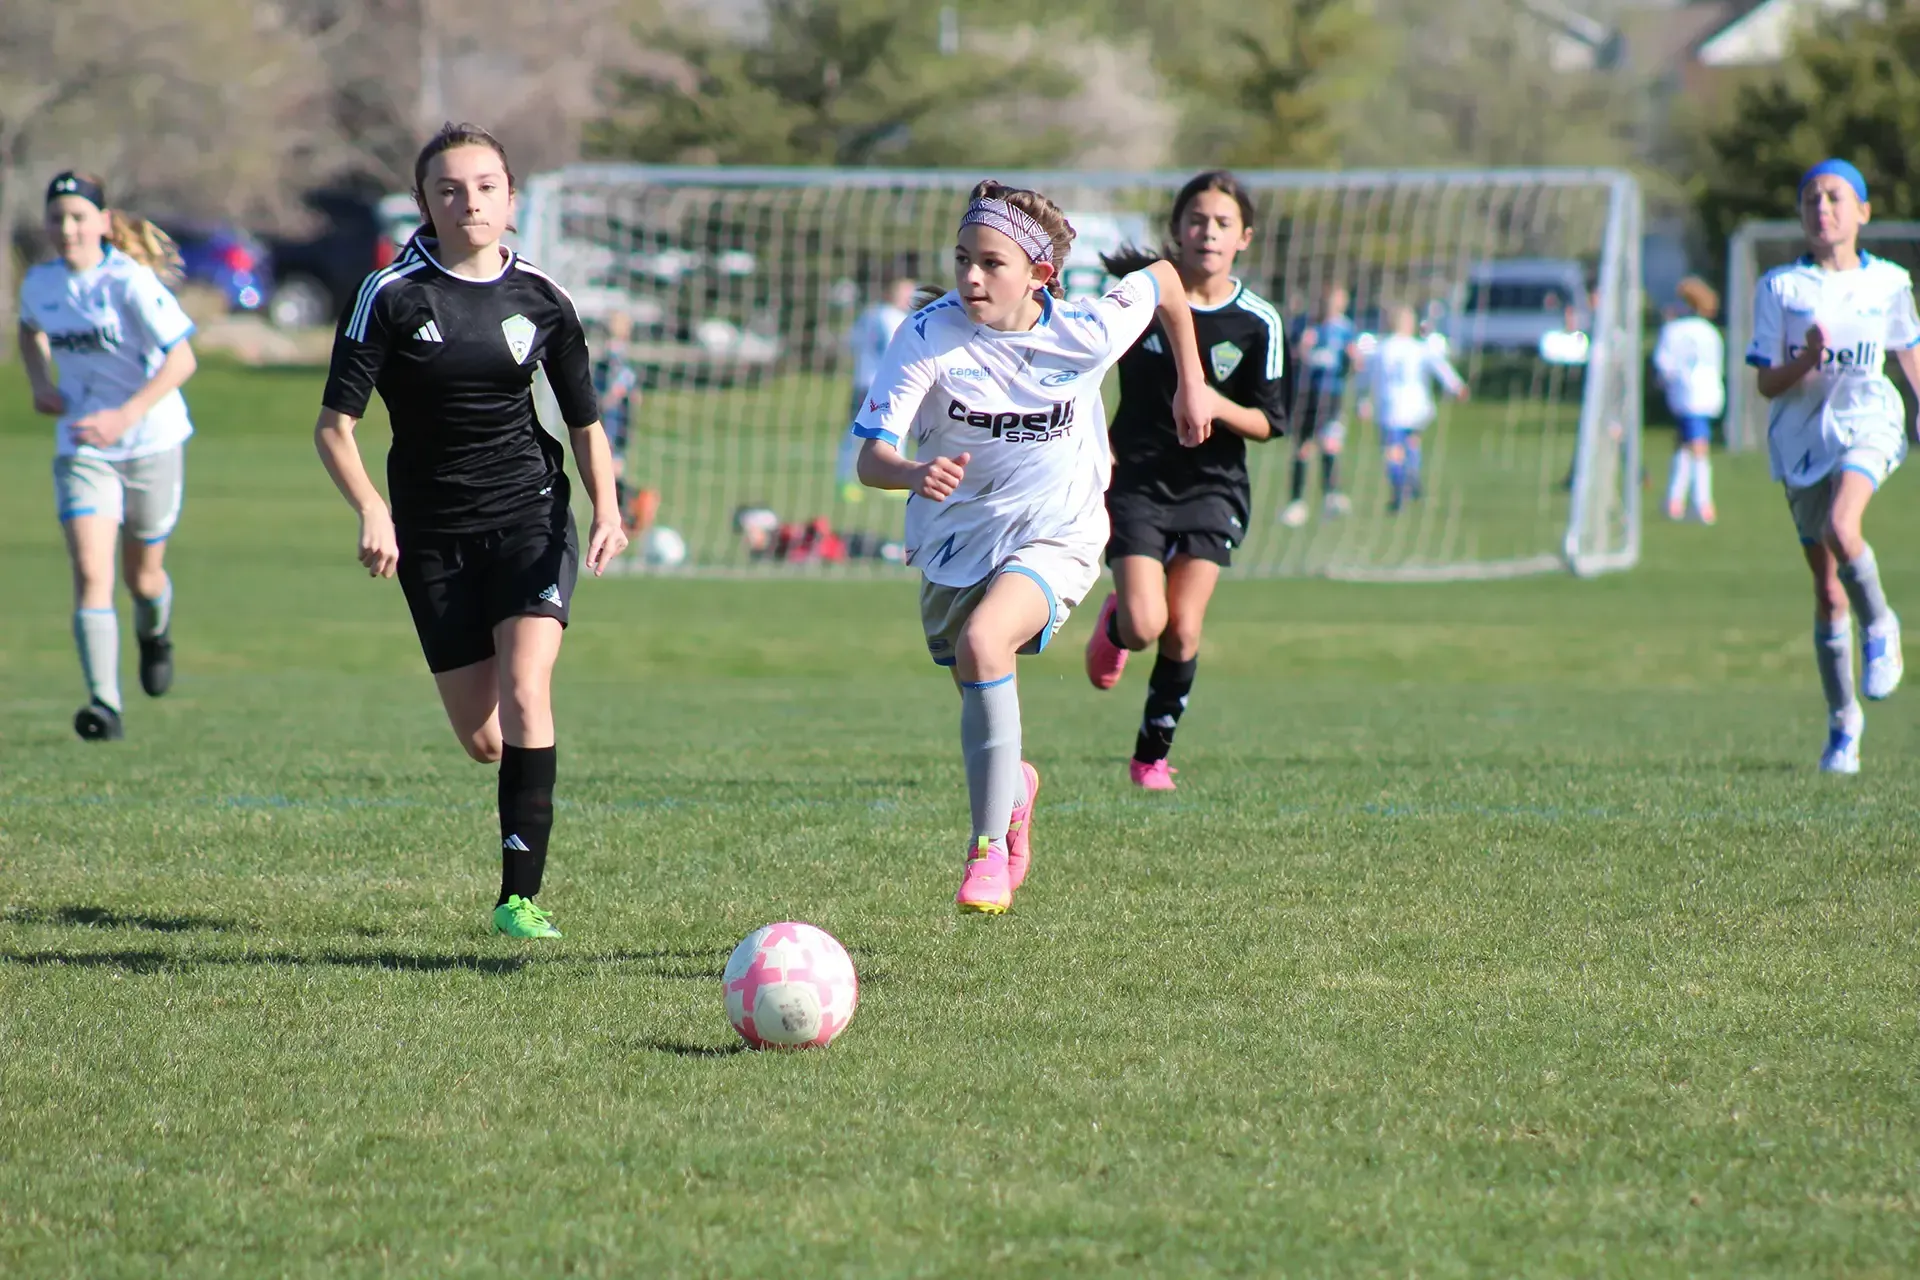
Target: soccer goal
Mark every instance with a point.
(1754, 249)
(741, 285)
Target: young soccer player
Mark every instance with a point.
(1837, 429)
(1400, 371)
(479, 533)
(102, 317)
(867, 343)
(1178, 512)
(616, 383)
(1327, 353)
(1690, 357)
(1006, 518)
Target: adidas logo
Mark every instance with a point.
(516, 844)
(552, 595)
(428, 332)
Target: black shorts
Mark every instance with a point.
(460, 586)
(1314, 410)
(1143, 527)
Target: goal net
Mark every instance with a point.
(1754, 249)
(740, 288)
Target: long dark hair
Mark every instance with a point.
(453, 135)
(1130, 258)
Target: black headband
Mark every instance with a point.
(72, 184)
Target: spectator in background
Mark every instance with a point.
(1690, 358)
(1327, 352)
(618, 385)
(867, 342)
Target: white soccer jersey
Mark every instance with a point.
(1848, 400)
(1040, 465)
(110, 329)
(1691, 359)
(868, 340)
(1400, 372)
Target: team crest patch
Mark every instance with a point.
(1226, 358)
(519, 332)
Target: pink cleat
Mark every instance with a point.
(1157, 776)
(986, 887)
(1105, 659)
(1020, 829)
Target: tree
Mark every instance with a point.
(191, 107)
(834, 82)
(1848, 87)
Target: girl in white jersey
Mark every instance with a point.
(1837, 429)
(1399, 371)
(1690, 357)
(999, 383)
(100, 318)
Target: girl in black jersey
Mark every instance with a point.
(480, 532)
(1177, 512)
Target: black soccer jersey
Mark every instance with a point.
(1245, 356)
(453, 359)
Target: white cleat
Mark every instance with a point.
(1295, 515)
(1884, 664)
(1843, 748)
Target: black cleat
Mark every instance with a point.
(156, 664)
(98, 722)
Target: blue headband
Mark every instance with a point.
(73, 184)
(1838, 169)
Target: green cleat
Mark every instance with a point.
(517, 917)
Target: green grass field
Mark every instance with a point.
(1496, 930)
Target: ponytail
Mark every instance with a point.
(146, 244)
(1129, 259)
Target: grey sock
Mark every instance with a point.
(1861, 577)
(96, 632)
(1833, 652)
(990, 740)
(151, 617)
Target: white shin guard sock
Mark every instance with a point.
(990, 740)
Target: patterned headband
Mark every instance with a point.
(73, 184)
(1015, 224)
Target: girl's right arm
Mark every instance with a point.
(36, 353)
(340, 454)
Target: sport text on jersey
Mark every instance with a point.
(85, 340)
(1018, 428)
(1861, 357)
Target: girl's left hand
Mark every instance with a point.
(102, 428)
(605, 540)
(1194, 409)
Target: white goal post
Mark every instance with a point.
(740, 286)
(1755, 248)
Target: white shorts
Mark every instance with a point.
(143, 493)
(1812, 506)
(1064, 571)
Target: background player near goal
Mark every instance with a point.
(101, 315)
(1400, 371)
(480, 532)
(999, 384)
(1179, 512)
(1690, 358)
(1837, 428)
(1325, 352)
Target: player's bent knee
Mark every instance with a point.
(484, 746)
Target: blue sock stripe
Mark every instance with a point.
(108, 610)
(986, 684)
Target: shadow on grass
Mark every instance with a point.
(147, 961)
(680, 1049)
(84, 917)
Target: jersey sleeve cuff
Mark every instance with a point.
(1759, 362)
(336, 405)
(188, 332)
(877, 433)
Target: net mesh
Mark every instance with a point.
(741, 287)
(1755, 249)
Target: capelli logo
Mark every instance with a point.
(975, 375)
(1060, 379)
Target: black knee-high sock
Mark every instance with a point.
(1329, 473)
(1298, 489)
(1167, 690)
(526, 818)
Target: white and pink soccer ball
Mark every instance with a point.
(790, 986)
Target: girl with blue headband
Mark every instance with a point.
(1837, 428)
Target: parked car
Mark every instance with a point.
(1514, 303)
(314, 277)
(224, 258)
